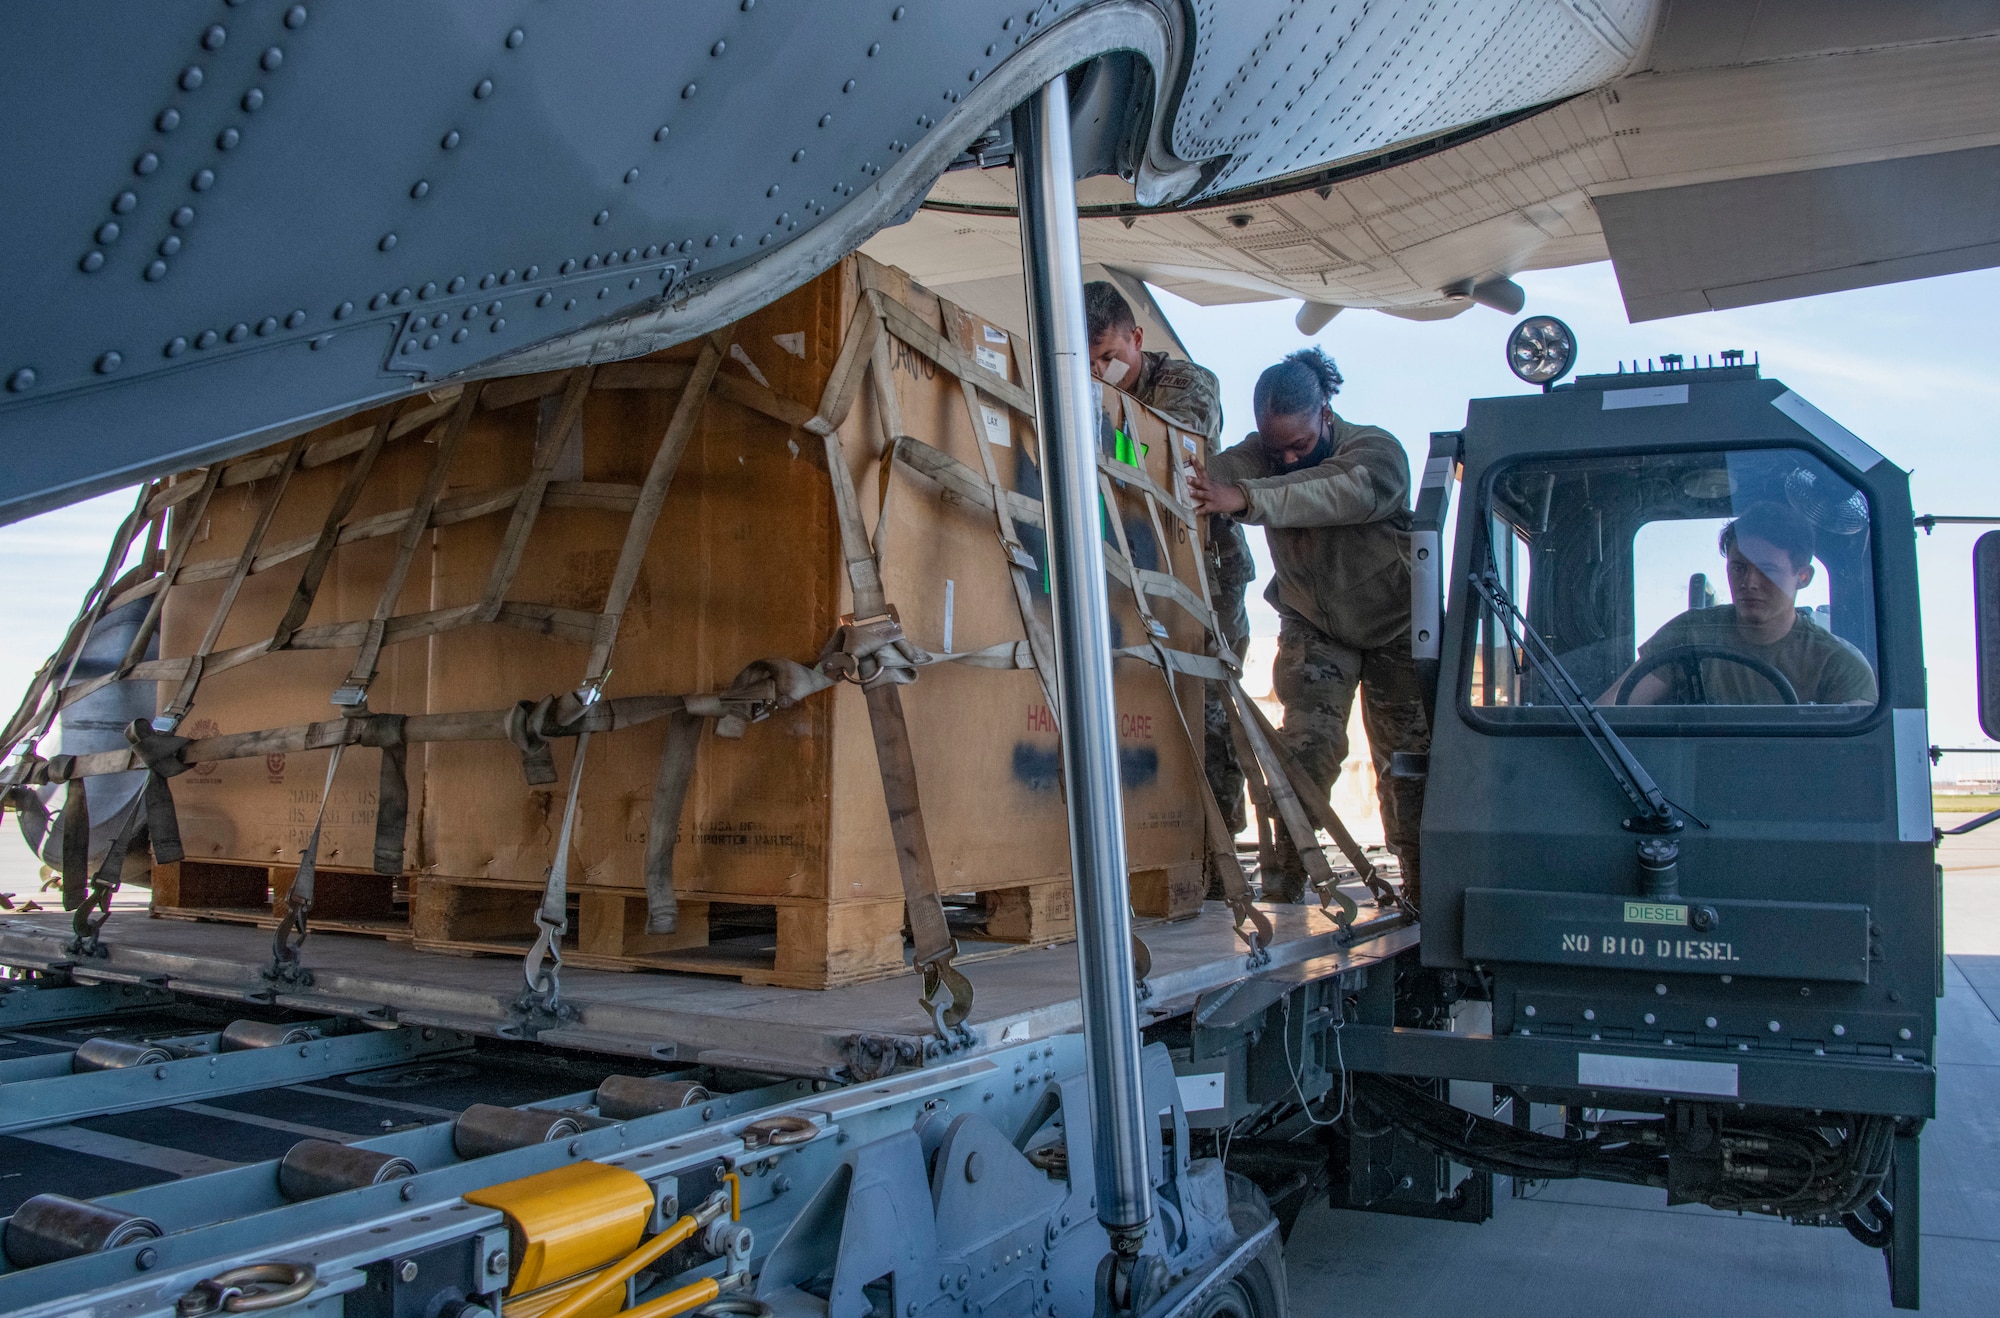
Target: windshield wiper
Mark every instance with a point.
(1656, 814)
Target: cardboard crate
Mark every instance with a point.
(784, 864)
(745, 563)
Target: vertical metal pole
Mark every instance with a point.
(1052, 260)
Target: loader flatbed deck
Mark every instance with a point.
(1022, 994)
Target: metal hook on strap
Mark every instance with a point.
(948, 1016)
(290, 936)
(543, 966)
(1261, 932)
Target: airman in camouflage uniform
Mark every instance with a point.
(1333, 498)
(1191, 395)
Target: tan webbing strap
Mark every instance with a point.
(1222, 844)
(177, 708)
(652, 496)
(904, 324)
(1154, 627)
(1260, 795)
(1021, 564)
(353, 693)
(176, 553)
(1322, 812)
(863, 574)
(1210, 620)
(549, 448)
(889, 416)
(544, 962)
(47, 686)
(1291, 809)
(670, 789)
(321, 556)
(291, 930)
(929, 929)
(763, 686)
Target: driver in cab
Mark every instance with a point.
(1770, 554)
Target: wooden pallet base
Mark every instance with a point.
(789, 942)
(344, 901)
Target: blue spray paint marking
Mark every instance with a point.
(1145, 549)
(1138, 766)
(1037, 768)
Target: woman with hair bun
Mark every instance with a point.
(1333, 499)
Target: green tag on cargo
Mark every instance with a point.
(1655, 913)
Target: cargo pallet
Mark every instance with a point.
(790, 942)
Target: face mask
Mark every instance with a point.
(1114, 372)
(1320, 453)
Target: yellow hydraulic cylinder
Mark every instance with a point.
(569, 1220)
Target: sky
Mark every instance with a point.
(1911, 368)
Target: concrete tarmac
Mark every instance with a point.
(1589, 1250)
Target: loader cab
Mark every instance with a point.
(1729, 577)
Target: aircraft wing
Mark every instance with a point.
(227, 223)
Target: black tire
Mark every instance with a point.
(1257, 1290)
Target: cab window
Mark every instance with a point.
(1720, 588)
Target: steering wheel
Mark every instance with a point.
(1692, 655)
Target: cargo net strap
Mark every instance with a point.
(1301, 809)
(869, 648)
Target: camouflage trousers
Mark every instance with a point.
(1231, 569)
(1315, 678)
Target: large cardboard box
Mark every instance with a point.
(784, 837)
(985, 741)
(745, 563)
